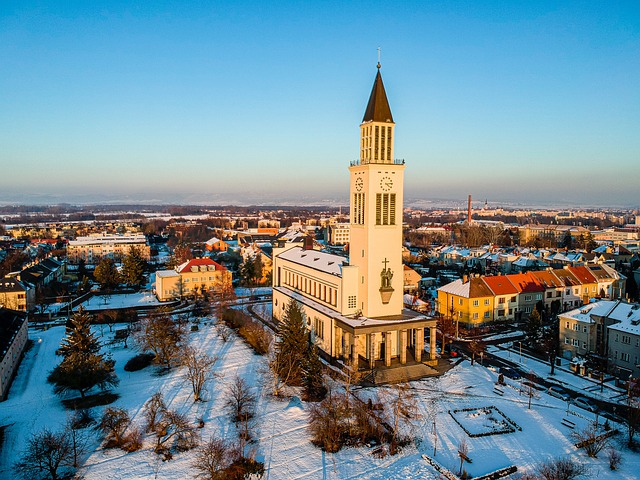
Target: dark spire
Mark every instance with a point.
(378, 107)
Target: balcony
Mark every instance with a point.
(397, 161)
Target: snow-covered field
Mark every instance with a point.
(283, 441)
(124, 300)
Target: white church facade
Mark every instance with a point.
(355, 307)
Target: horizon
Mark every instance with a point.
(249, 104)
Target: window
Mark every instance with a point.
(615, 354)
(486, 314)
(567, 340)
(616, 337)
(501, 300)
(318, 327)
(576, 327)
(566, 325)
(538, 296)
(584, 329)
(459, 314)
(576, 343)
(568, 291)
(475, 316)
(624, 357)
(486, 302)
(351, 301)
(584, 345)
(576, 291)
(385, 208)
(549, 294)
(358, 208)
(476, 303)
(459, 301)
(527, 298)
(558, 293)
(626, 339)
(513, 299)
(501, 313)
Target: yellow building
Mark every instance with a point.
(191, 279)
(355, 306)
(16, 295)
(469, 301)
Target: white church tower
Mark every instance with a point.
(376, 196)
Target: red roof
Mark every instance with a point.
(198, 262)
(526, 283)
(583, 274)
(548, 279)
(500, 285)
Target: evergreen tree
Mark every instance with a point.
(292, 345)
(107, 274)
(314, 387)
(133, 267)
(82, 366)
(534, 327)
(567, 241)
(589, 243)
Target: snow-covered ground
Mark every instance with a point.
(126, 300)
(283, 442)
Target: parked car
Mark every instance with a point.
(559, 392)
(584, 403)
(512, 373)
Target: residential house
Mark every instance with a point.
(16, 295)
(506, 297)
(411, 279)
(216, 245)
(530, 292)
(13, 341)
(192, 278)
(469, 300)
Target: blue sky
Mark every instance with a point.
(260, 102)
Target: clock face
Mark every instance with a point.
(386, 184)
(359, 183)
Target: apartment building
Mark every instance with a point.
(93, 248)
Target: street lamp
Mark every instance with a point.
(520, 343)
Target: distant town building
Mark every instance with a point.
(93, 248)
(16, 295)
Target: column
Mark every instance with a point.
(353, 350)
(387, 349)
(371, 338)
(403, 346)
(432, 343)
(339, 342)
(419, 344)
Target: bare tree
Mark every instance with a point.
(329, 422)
(463, 451)
(45, 455)
(589, 439)
(614, 457)
(153, 410)
(164, 337)
(199, 370)
(212, 459)
(239, 400)
(403, 409)
(174, 429)
(558, 469)
(113, 424)
(476, 347)
(73, 429)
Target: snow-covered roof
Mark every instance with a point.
(167, 273)
(325, 262)
(456, 287)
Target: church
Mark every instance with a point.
(354, 307)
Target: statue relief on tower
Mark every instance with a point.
(386, 290)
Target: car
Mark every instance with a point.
(512, 373)
(559, 392)
(584, 403)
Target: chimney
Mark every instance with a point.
(469, 210)
(308, 243)
(465, 278)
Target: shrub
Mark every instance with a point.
(132, 442)
(139, 362)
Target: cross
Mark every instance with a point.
(378, 57)
(385, 261)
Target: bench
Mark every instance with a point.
(568, 423)
(496, 390)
